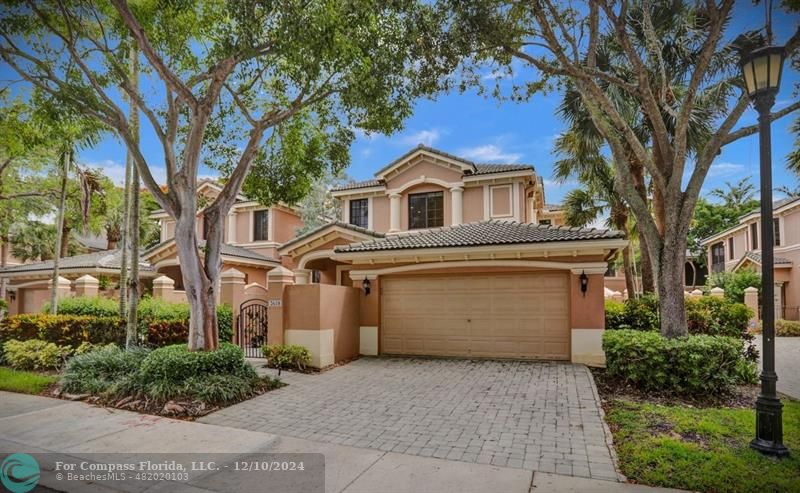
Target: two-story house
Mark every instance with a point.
(457, 258)
(739, 247)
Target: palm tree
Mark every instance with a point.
(586, 205)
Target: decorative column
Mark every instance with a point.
(394, 212)
(456, 204)
(163, 287)
(717, 292)
(87, 286)
(63, 289)
(751, 300)
(231, 292)
(302, 276)
(232, 228)
(778, 300)
(278, 279)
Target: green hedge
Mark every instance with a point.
(783, 328)
(63, 330)
(72, 330)
(95, 306)
(686, 365)
(705, 315)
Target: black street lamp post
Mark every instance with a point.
(762, 75)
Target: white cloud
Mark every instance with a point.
(723, 169)
(489, 153)
(116, 171)
(426, 137)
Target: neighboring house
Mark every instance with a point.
(252, 235)
(739, 247)
(449, 258)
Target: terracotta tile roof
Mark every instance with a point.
(107, 259)
(359, 184)
(487, 169)
(480, 234)
(756, 257)
(340, 224)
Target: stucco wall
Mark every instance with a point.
(319, 307)
(285, 225)
(427, 169)
(380, 212)
(472, 207)
(587, 311)
(243, 227)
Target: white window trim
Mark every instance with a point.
(346, 211)
(369, 214)
(512, 213)
(486, 201)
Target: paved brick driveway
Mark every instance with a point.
(537, 416)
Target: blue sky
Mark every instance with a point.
(485, 130)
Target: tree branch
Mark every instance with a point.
(136, 30)
(752, 129)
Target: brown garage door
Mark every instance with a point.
(479, 315)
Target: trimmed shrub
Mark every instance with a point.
(783, 328)
(160, 333)
(158, 309)
(174, 371)
(615, 315)
(225, 323)
(717, 316)
(110, 370)
(685, 365)
(94, 306)
(787, 328)
(34, 354)
(286, 356)
(63, 330)
(176, 363)
(734, 283)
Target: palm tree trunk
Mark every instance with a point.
(648, 278)
(132, 227)
(124, 241)
(62, 203)
(627, 267)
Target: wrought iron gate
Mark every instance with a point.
(251, 327)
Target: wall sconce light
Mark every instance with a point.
(584, 283)
(366, 285)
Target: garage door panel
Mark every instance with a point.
(483, 315)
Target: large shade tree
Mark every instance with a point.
(676, 62)
(267, 89)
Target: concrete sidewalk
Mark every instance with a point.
(41, 425)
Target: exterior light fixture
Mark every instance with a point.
(366, 285)
(584, 283)
(761, 71)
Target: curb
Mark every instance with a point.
(606, 430)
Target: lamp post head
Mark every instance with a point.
(761, 71)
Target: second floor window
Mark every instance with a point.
(754, 236)
(730, 249)
(718, 257)
(261, 225)
(545, 222)
(776, 227)
(359, 213)
(425, 210)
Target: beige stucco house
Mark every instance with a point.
(435, 256)
(739, 247)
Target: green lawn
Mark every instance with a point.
(701, 449)
(24, 381)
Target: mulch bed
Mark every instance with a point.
(743, 396)
(187, 410)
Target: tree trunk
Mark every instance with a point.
(670, 286)
(4, 248)
(62, 203)
(648, 272)
(200, 289)
(648, 279)
(132, 219)
(628, 269)
(65, 234)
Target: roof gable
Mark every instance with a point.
(325, 234)
(434, 156)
